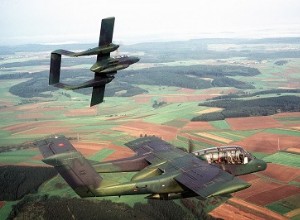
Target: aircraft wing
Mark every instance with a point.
(194, 174)
(206, 180)
(106, 36)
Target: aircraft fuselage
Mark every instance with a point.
(113, 64)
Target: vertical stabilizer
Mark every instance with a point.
(71, 165)
(55, 64)
(106, 36)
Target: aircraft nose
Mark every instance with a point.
(261, 165)
(136, 59)
(94, 67)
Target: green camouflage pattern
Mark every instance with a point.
(105, 67)
(163, 171)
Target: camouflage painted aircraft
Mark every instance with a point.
(162, 170)
(105, 67)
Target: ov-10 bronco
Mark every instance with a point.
(162, 170)
(105, 67)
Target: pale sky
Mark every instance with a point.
(59, 21)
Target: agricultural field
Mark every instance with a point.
(100, 132)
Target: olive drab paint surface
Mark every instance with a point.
(104, 69)
(163, 171)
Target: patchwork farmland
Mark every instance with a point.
(100, 132)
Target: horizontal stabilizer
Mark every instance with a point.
(102, 51)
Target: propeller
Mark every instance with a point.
(191, 147)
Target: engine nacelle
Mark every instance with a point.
(170, 196)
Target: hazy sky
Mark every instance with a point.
(58, 21)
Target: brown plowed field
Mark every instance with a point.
(273, 195)
(227, 211)
(258, 211)
(88, 149)
(137, 128)
(287, 114)
(268, 143)
(186, 90)
(293, 150)
(2, 203)
(257, 186)
(28, 107)
(81, 112)
(204, 140)
(187, 98)
(6, 103)
(34, 115)
(38, 157)
(142, 98)
(48, 130)
(291, 70)
(253, 123)
(249, 177)
(220, 91)
(175, 98)
(281, 172)
(293, 85)
(30, 125)
(120, 152)
(90, 145)
(198, 125)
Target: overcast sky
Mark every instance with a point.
(59, 21)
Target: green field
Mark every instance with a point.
(232, 135)
(285, 205)
(99, 156)
(200, 144)
(289, 120)
(284, 158)
(56, 187)
(284, 132)
(19, 156)
(222, 124)
(6, 209)
(118, 111)
(172, 112)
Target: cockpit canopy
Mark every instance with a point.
(225, 155)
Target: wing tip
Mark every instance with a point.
(109, 18)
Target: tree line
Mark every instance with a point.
(55, 207)
(17, 181)
(128, 81)
(245, 108)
